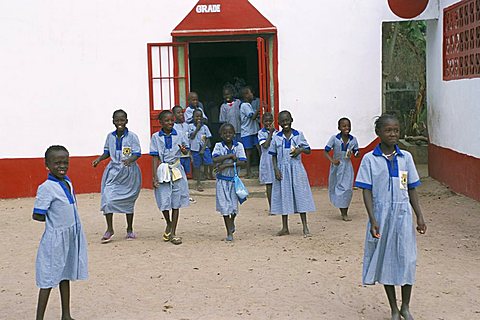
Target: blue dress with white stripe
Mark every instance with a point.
(226, 198)
(62, 253)
(121, 184)
(173, 194)
(265, 168)
(292, 194)
(340, 179)
(391, 259)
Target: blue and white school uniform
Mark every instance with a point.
(226, 199)
(391, 259)
(255, 106)
(340, 179)
(121, 184)
(62, 253)
(292, 194)
(230, 113)
(172, 194)
(188, 114)
(182, 129)
(266, 175)
(249, 127)
(197, 143)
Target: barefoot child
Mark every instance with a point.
(265, 169)
(230, 111)
(199, 136)
(249, 126)
(225, 155)
(291, 191)
(169, 179)
(340, 179)
(388, 178)
(121, 180)
(62, 253)
(182, 128)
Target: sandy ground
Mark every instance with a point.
(259, 276)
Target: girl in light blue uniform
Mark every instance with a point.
(230, 111)
(388, 178)
(249, 126)
(171, 186)
(266, 175)
(340, 179)
(225, 154)
(122, 179)
(291, 191)
(62, 253)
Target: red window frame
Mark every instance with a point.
(461, 40)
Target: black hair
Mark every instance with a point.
(163, 114)
(52, 149)
(285, 112)
(197, 110)
(176, 107)
(268, 114)
(343, 119)
(119, 111)
(383, 119)
(229, 87)
(247, 88)
(224, 126)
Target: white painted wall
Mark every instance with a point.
(453, 106)
(66, 65)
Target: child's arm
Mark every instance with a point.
(205, 145)
(333, 161)
(278, 174)
(421, 226)
(368, 201)
(104, 156)
(129, 161)
(267, 142)
(38, 217)
(155, 164)
(194, 133)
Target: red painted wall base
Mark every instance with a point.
(21, 177)
(458, 171)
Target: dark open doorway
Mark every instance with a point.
(212, 64)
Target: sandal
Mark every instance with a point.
(166, 236)
(176, 240)
(131, 236)
(107, 237)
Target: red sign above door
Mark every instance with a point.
(407, 9)
(223, 17)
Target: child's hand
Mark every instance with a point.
(335, 162)
(374, 231)
(127, 162)
(278, 174)
(199, 124)
(271, 129)
(95, 163)
(183, 149)
(295, 152)
(155, 183)
(233, 156)
(218, 168)
(421, 226)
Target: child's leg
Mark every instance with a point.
(306, 232)
(249, 158)
(228, 226)
(109, 219)
(65, 298)
(197, 174)
(269, 194)
(344, 212)
(129, 222)
(232, 217)
(405, 308)
(210, 172)
(43, 295)
(284, 230)
(392, 300)
(174, 238)
(168, 229)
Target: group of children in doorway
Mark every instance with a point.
(387, 176)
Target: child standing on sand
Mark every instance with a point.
(291, 191)
(265, 168)
(340, 179)
(388, 178)
(62, 253)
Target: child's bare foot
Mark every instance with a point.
(396, 315)
(283, 232)
(229, 238)
(345, 217)
(405, 313)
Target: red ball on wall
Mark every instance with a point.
(407, 9)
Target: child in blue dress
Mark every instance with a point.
(249, 126)
(225, 155)
(181, 126)
(291, 191)
(62, 253)
(266, 175)
(199, 136)
(121, 180)
(340, 179)
(388, 178)
(230, 110)
(169, 179)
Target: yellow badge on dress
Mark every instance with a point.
(126, 151)
(403, 175)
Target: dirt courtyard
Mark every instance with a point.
(258, 276)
